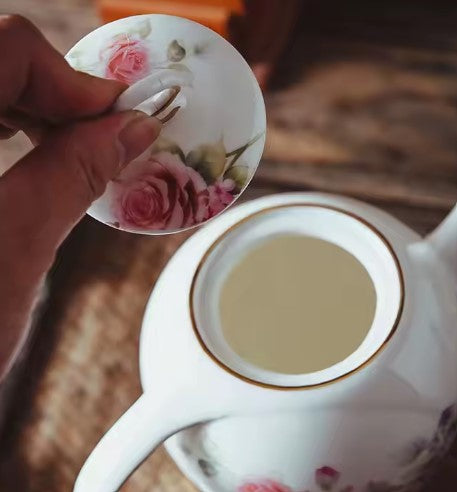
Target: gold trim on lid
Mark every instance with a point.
(309, 386)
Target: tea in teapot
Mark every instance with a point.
(296, 304)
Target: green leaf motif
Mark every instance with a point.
(201, 48)
(179, 66)
(75, 55)
(237, 153)
(208, 160)
(74, 59)
(143, 30)
(165, 145)
(175, 52)
(207, 468)
(240, 175)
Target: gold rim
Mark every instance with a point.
(309, 386)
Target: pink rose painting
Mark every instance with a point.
(220, 195)
(161, 193)
(173, 185)
(264, 486)
(170, 191)
(326, 477)
(127, 59)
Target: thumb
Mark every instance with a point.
(46, 193)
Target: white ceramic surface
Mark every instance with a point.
(378, 423)
(208, 152)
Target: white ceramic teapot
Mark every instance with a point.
(376, 422)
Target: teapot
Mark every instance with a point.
(378, 421)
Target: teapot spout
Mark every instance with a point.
(444, 240)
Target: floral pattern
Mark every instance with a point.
(265, 486)
(415, 470)
(168, 190)
(422, 457)
(127, 56)
(163, 193)
(126, 60)
(326, 477)
(220, 195)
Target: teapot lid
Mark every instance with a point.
(214, 133)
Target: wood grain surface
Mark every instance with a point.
(364, 104)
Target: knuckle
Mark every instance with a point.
(87, 162)
(6, 132)
(14, 23)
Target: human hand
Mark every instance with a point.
(79, 148)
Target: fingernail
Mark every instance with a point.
(137, 135)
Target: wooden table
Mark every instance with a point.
(364, 105)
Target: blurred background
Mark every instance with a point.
(361, 100)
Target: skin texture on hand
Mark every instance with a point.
(80, 146)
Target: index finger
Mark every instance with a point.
(36, 79)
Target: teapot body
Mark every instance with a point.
(348, 450)
(381, 428)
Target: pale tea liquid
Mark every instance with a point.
(296, 304)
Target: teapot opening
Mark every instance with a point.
(287, 329)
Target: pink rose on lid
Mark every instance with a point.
(127, 60)
(264, 486)
(220, 196)
(326, 477)
(160, 193)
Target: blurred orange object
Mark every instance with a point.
(214, 14)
